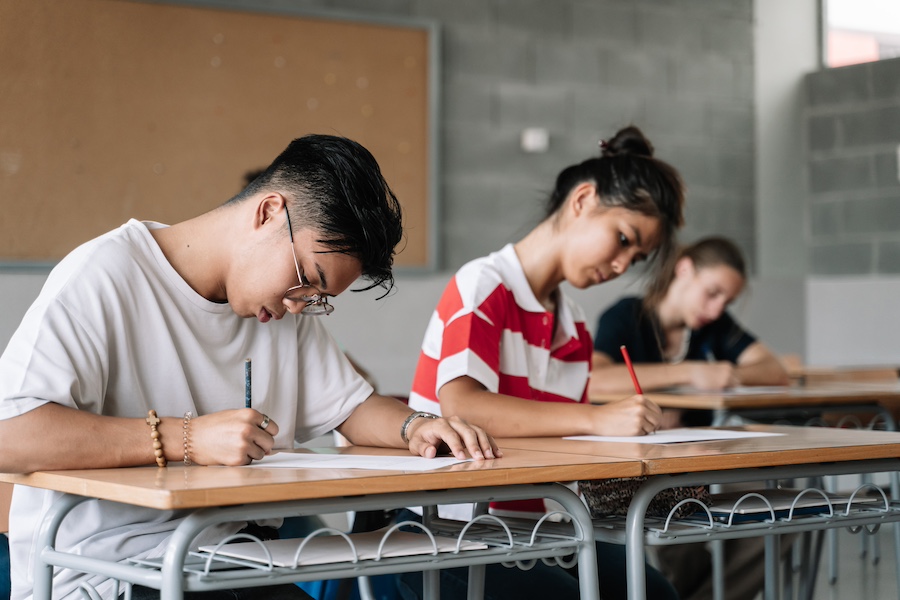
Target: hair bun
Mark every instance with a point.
(628, 140)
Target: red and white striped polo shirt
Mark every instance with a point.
(490, 326)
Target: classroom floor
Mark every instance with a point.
(858, 578)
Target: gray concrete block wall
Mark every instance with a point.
(680, 69)
(852, 124)
(581, 69)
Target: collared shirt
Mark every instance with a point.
(490, 326)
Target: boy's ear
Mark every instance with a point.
(684, 266)
(268, 209)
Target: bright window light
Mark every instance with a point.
(859, 31)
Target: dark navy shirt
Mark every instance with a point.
(628, 323)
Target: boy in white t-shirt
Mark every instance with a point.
(151, 320)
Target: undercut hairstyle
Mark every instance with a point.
(334, 186)
(628, 176)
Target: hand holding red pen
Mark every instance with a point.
(637, 386)
(652, 412)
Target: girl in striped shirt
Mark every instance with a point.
(507, 350)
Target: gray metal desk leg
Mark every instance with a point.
(475, 591)
(891, 425)
(431, 580)
(588, 580)
(634, 540)
(717, 552)
(773, 573)
(811, 572)
(43, 573)
(364, 586)
(173, 560)
(475, 588)
(431, 585)
(895, 495)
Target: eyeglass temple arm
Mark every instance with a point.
(291, 236)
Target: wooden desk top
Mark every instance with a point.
(177, 487)
(818, 395)
(798, 445)
(806, 374)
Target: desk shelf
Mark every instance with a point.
(774, 512)
(183, 569)
(688, 531)
(510, 542)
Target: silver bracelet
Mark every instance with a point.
(187, 437)
(412, 417)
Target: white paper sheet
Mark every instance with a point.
(333, 549)
(298, 460)
(742, 390)
(676, 436)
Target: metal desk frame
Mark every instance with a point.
(172, 579)
(635, 534)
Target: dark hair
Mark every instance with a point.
(706, 252)
(628, 176)
(249, 176)
(335, 186)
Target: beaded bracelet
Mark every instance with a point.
(153, 421)
(187, 438)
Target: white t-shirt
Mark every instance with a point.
(117, 331)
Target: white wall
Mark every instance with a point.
(843, 320)
(385, 335)
(785, 49)
(853, 321)
(18, 289)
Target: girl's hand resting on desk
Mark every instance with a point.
(231, 437)
(632, 416)
(712, 375)
(428, 436)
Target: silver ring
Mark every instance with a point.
(265, 422)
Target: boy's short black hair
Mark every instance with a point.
(335, 186)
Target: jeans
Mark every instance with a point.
(5, 583)
(542, 581)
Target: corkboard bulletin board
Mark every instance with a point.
(114, 109)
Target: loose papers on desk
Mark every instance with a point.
(303, 460)
(676, 436)
(329, 549)
(740, 390)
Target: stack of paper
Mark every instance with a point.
(781, 500)
(334, 548)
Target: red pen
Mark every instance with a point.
(637, 386)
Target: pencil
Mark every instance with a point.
(247, 403)
(637, 386)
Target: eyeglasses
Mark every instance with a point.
(316, 303)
